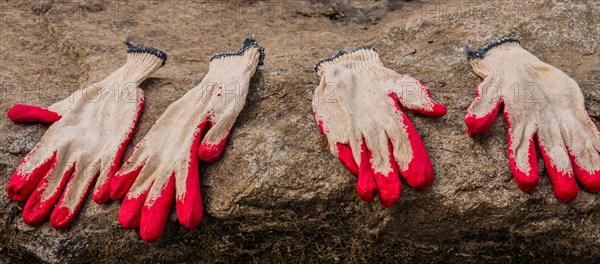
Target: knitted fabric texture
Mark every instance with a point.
(540, 103)
(164, 165)
(85, 143)
(357, 106)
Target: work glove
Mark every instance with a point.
(85, 143)
(358, 108)
(540, 102)
(164, 165)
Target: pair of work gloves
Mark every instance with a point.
(358, 106)
(91, 129)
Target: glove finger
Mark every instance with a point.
(388, 182)
(22, 113)
(589, 178)
(29, 173)
(156, 210)
(131, 207)
(384, 168)
(122, 182)
(123, 179)
(414, 95)
(483, 110)
(345, 151)
(522, 155)
(366, 186)
(47, 192)
(335, 124)
(558, 164)
(584, 157)
(410, 154)
(131, 210)
(346, 156)
(74, 194)
(101, 193)
(214, 137)
(110, 166)
(189, 198)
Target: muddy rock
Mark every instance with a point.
(277, 194)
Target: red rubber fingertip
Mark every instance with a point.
(208, 152)
(589, 181)
(131, 210)
(481, 125)
(155, 216)
(121, 183)
(346, 157)
(526, 180)
(21, 113)
(189, 210)
(211, 152)
(439, 110)
(36, 208)
(389, 185)
(35, 212)
(565, 186)
(419, 174)
(102, 195)
(61, 218)
(565, 191)
(366, 186)
(21, 186)
(189, 201)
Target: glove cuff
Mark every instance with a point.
(142, 61)
(147, 50)
(483, 50)
(249, 44)
(362, 57)
(499, 56)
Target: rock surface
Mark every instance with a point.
(277, 195)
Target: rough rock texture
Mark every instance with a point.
(277, 194)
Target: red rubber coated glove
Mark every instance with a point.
(357, 107)
(164, 165)
(85, 143)
(540, 102)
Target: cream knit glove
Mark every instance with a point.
(85, 143)
(540, 102)
(164, 165)
(358, 108)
